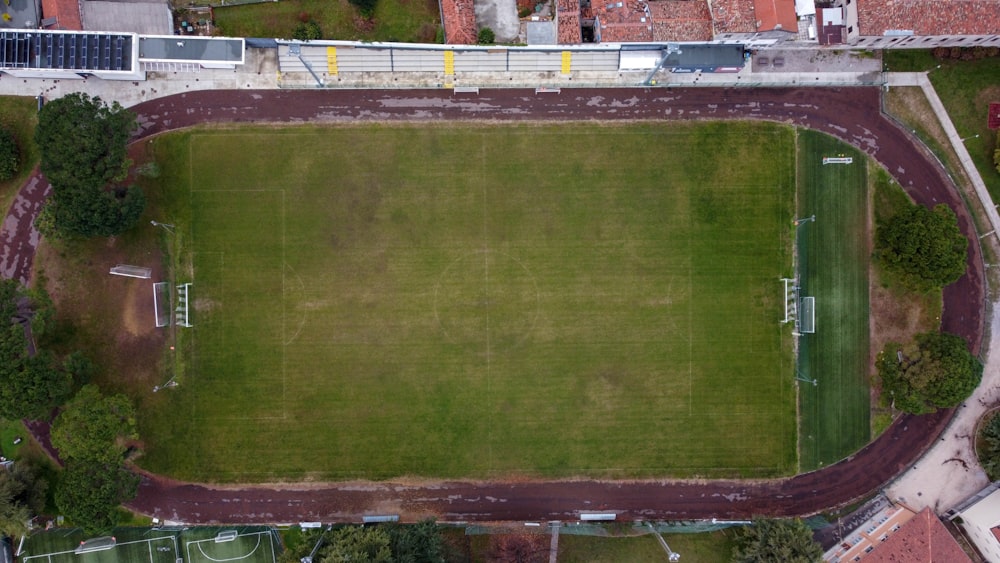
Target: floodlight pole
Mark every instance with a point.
(800, 222)
(976, 136)
(807, 380)
(671, 554)
(166, 226)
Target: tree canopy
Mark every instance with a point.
(936, 371)
(91, 434)
(94, 427)
(403, 543)
(22, 496)
(30, 383)
(923, 247)
(784, 541)
(83, 145)
(90, 492)
(989, 452)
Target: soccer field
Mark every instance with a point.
(455, 301)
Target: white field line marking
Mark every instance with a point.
(73, 551)
(252, 551)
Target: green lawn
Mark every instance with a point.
(395, 20)
(833, 267)
(19, 115)
(966, 89)
(515, 300)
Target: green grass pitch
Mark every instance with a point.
(455, 301)
(834, 257)
(253, 544)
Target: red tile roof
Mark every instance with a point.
(681, 20)
(775, 14)
(459, 22)
(734, 16)
(66, 12)
(622, 20)
(922, 539)
(929, 17)
(568, 22)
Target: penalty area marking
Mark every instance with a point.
(73, 552)
(214, 540)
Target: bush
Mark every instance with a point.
(9, 155)
(935, 371)
(307, 31)
(366, 7)
(524, 12)
(996, 154)
(486, 36)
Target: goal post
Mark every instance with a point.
(807, 324)
(226, 536)
(132, 271)
(161, 303)
(182, 311)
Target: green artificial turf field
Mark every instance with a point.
(252, 544)
(449, 301)
(834, 256)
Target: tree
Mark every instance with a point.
(486, 36)
(30, 384)
(785, 541)
(356, 543)
(989, 453)
(94, 428)
(936, 371)
(90, 492)
(83, 144)
(518, 548)
(421, 542)
(83, 141)
(10, 155)
(22, 496)
(923, 246)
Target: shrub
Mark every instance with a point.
(9, 155)
(307, 31)
(366, 7)
(486, 36)
(524, 12)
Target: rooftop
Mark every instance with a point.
(622, 21)
(61, 15)
(459, 22)
(922, 539)
(23, 14)
(681, 20)
(568, 22)
(734, 16)
(191, 49)
(929, 17)
(775, 14)
(151, 18)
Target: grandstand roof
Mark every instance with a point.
(174, 48)
(66, 50)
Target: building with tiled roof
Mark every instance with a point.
(569, 31)
(621, 21)
(459, 21)
(979, 517)
(61, 15)
(888, 24)
(774, 15)
(681, 20)
(923, 539)
(897, 534)
(733, 16)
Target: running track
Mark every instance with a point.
(852, 114)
